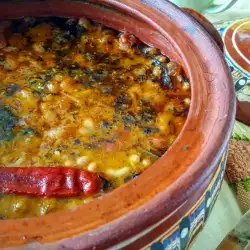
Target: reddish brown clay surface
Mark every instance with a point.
(237, 43)
(173, 183)
(207, 26)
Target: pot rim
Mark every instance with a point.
(107, 219)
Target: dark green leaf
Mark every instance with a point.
(7, 122)
(246, 184)
(165, 79)
(30, 131)
(12, 88)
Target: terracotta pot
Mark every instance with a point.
(169, 203)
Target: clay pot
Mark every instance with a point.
(169, 202)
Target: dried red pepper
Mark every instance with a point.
(48, 182)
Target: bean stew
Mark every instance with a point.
(83, 110)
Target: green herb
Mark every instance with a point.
(37, 84)
(29, 131)
(246, 184)
(141, 78)
(11, 89)
(100, 75)
(185, 147)
(51, 71)
(63, 37)
(237, 137)
(165, 78)
(7, 122)
(149, 153)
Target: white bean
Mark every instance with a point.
(157, 71)
(84, 131)
(88, 123)
(69, 163)
(146, 162)
(187, 101)
(53, 87)
(81, 161)
(117, 172)
(134, 159)
(57, 152)
(55, 132)
(92, 166)
(186, 86)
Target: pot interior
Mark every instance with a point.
(167, 184)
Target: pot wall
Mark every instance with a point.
(188, 221)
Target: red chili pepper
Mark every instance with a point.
(48, 182)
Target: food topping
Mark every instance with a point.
(83, 109)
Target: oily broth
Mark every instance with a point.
(77, 94)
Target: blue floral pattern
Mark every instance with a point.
(241, 78)
(184, 232)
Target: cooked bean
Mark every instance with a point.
(84, 22)
(92, 166)
(174, 68)
(134, 159)
(118, 172)
(187, 101)
(79, 97)
(82, 161)
(186, 86)
(54, 87)
(69, 163)
(146, 162)
(84, 131)
(88, 123)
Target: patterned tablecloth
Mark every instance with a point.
(236, 37)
